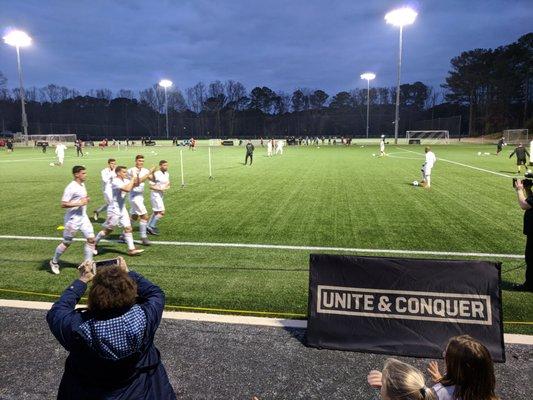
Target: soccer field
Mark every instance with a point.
(332, 196)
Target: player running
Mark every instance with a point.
(107, 175)
(117, 214)
(75, 200)
(60, 153)
(269, 147)
(279, 146)
(500, 145)
(138, 211)
(382, 147)
(159, 184)
(521, 153)
(427, 167)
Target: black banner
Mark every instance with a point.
(402, 306)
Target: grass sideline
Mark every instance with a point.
(328, 196)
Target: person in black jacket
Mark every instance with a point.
(521, 153)
(525, 201)
(111, 343)
(249, 152)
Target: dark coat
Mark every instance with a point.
(87, 375)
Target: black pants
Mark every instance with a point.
(529, 262)
(248, 155)
(79, 151)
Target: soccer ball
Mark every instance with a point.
(51, 164)
(373, 155)
(415, 183)
(479, 153)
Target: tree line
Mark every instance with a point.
(489, 88)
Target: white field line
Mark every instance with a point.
(291, 247)
(231, 319)
(464, 165)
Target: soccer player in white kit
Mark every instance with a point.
(138, 209)
(382, 147)
(427, 167)
(60, 153)
(75, 200)
(159, 184)
(279, 147)
(107, 175)
(269, 148)
(117, 214)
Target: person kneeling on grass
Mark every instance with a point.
(111, 343)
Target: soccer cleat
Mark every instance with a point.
(145, 242)
(54, 266)
(95, 216)
(135, 252)
(121, 238)
(152, 231)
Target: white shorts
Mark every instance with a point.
(137, 205)
(157, 201)
(114, 219)
(427, 170)
(60, 159)
(75, 224)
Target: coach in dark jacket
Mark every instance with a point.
(111, 344)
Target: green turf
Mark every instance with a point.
(327, 196)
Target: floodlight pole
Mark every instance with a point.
(166, 109)
(22, 98)
(367, 105)
(397, 114)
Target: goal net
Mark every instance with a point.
(52, 139)
(516, 136)
(428, 137)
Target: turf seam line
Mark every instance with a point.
(289, 247)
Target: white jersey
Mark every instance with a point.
(279, 144)
(60, 150)
(107, 175)
(119, 196)
(430, 159)
(133, 173)
(161, 181)
(382, 145)
(75, 192)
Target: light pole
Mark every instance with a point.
(399, 17)
(20, 39)
(165, 83)
(368, 76)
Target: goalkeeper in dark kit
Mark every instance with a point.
(521, 153)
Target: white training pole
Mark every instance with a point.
(210, 174)
(181, 163)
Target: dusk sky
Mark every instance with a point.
(284, 45)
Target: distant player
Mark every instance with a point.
(9, 145)
(279, 147)
(60, 153)
(249, 153)
(117, 214)
(159, 184)
(427, 167)
(79, 148)
(382, 147)
(138, 211)
(107, 175)
(75, 200)
(521, 153)
(269, 147)
(500, 145)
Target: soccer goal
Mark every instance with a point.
(428, 137)
(516, 136)
(52, 139)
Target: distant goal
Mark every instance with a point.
(52, 139)
(427, 137)
(516, 136)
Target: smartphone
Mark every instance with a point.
(106, 263)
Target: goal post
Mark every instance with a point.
(428, 136)
(516, 136)
(51, 139)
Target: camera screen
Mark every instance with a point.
(106, 263)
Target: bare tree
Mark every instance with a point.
(126, 94)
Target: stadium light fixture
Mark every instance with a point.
(20, 39)
(368, 76)
(165, 83)
(400, 17)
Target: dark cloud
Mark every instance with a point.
(280, 44)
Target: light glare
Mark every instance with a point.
(401, 16)
(165, 83)
(368, 76)
(17, 39)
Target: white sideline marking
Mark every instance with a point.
(464, 165)
(232, 319)
(291, 247)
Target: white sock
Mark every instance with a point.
(88, 251)
(142, 228)
(155, 220)
(428, 180)
(101, 208)
(128, 237)
(60, 249)
(100, 236)
(151, 220)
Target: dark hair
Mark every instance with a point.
(77, 168)
(111, 160)
(138, 156)
(119, 168)
(112, 290)
(469, 367)
(162, 162)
